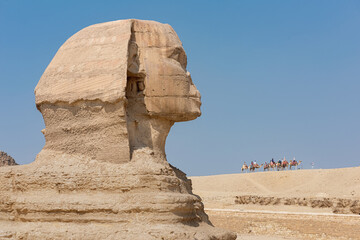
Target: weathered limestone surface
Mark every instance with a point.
(109, 98)
(6, 160)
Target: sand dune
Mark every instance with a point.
(297, 204)
(338, 185)
(341, 183)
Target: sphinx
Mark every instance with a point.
(109, 98)
(116, 88)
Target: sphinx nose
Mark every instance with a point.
(193, 90)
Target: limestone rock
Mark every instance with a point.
(6, 160)
(109, 98)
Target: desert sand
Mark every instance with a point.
(297, 204)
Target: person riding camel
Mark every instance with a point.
(272, 161)
(255, 164)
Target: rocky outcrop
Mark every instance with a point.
(337, 205)
(109, 98)
(6, 160)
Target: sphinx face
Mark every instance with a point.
(169, 91)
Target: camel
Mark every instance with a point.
(294, 164)
(253, 168)
(272, 165)
(285, 164)
(244, 167)
(266, 167)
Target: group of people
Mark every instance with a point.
(281, 164)
(272, 162)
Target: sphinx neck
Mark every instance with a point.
(147, 137)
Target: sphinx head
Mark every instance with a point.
(115, 89)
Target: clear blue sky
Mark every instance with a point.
(277, 78)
